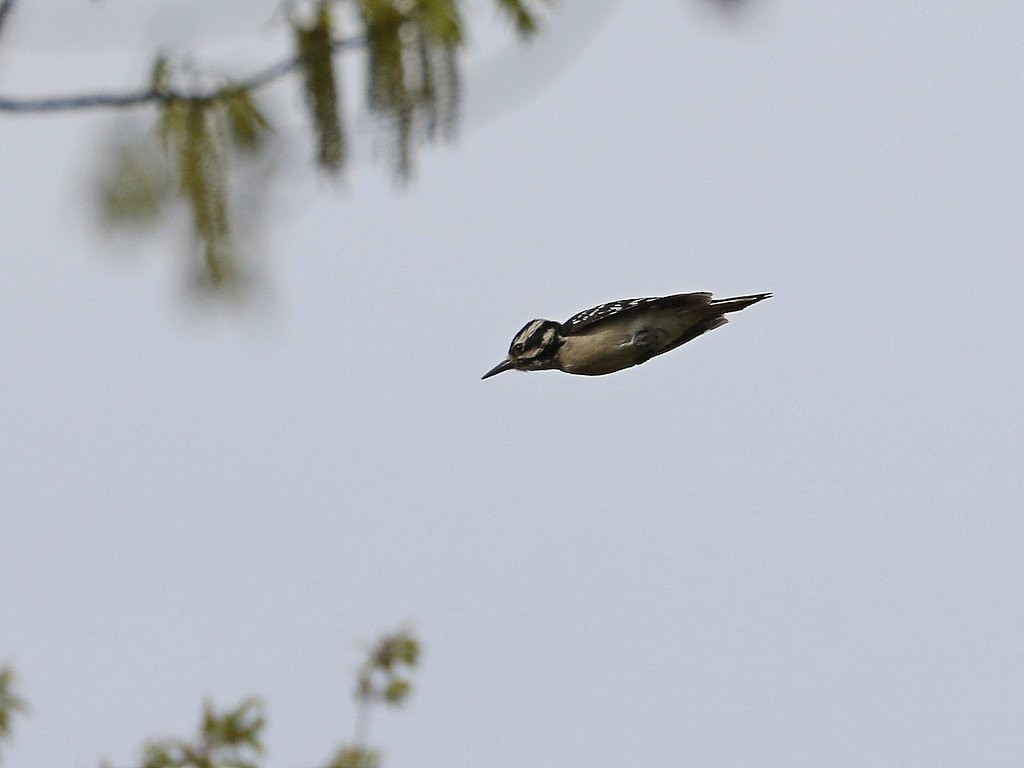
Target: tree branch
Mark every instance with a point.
(5, 8)
(134, 98)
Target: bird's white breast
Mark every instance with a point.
(610, 345)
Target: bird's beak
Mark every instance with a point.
(504, 365)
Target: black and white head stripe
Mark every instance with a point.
(537, 339)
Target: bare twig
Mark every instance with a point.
(362, 725)
(134, 98)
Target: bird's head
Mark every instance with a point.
(533, 348)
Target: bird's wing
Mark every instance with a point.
(587, 317)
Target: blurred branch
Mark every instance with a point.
(522, 17)
(151, 95)
(316, 59)
(204, 127)
(233, 738)
(10, 703)
(382, 680)
(5, 8)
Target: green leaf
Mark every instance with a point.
(397, 690)
(235, 728)
(522, 17)
(411, 69)
(160, 74)
(202, 180)
(440, 20)
(392, 650)
(172, 126)
(135, 185)
(407, 649)
(317, 63)
(355, 757)
(156, 756)
(246, 123)
(386, 85)
(10, 703)
(229, 739)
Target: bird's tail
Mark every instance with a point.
(736, 303)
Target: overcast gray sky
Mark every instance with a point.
(797, 541)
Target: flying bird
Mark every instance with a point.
(619, 334)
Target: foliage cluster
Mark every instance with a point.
(233, 737)
(10, 704)
(198, 138)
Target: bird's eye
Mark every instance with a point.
(517, 349)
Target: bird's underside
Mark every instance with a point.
(627, 341)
